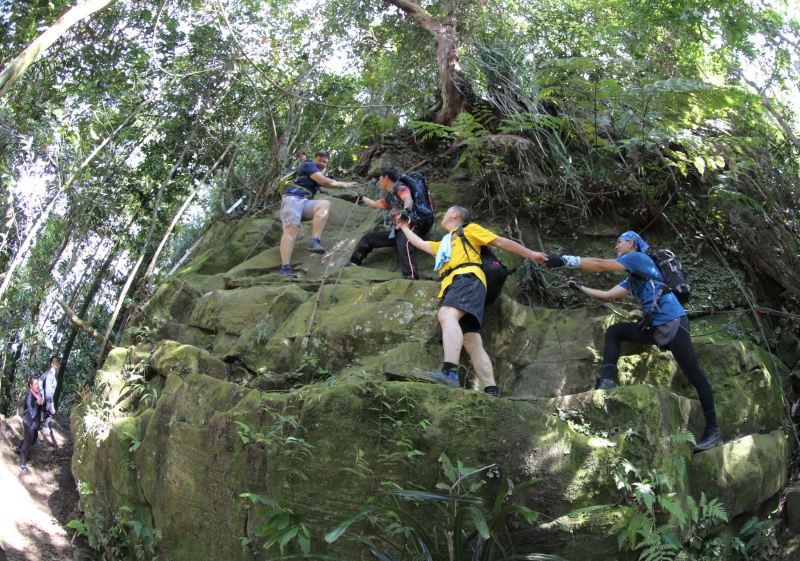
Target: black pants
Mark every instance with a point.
(29, 438)
(681, 348)
(405, 251)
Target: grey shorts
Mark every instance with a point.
(295, 210)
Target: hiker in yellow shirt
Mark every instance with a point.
(463, 291)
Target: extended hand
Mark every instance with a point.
(574, 283)
(553, 261)
(538, 257)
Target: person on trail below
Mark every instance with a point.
(31, 420)
(47, 383)
(670, 325)
(463, 291)
(398, 199)
(298, 205)
(301, 159)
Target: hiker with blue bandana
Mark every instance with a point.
(463, 291)
(670, 325)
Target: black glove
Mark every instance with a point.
(574, 283)
(553, 262)
(405, 215)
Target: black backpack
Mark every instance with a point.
(22, 405)
(674, 277)
(423, 201)
(496, 273)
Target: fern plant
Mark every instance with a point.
(659, 514)
(460, 531)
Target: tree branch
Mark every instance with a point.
(80, 324)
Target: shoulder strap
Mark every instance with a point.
(465, 241)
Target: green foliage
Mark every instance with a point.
(755, 540)
(278, 437)
(660, 518)
(460, 529)
(280, 527)
(119, 535)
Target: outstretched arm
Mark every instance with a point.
(372, 204)
(332, 183)
(586, 263)
(613, 294)
(415, 240)
(518, 249)
(601, 265)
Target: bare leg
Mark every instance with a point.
(321, 213)
(287, 243)
(452, 336)
(481, 362)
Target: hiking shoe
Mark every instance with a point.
(711, 437)
(492, 390)
(24, 469)
(604, 384)
(440, 377)
(352, 264)
(286, 271)
(314, 246)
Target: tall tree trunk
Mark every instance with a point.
(168, 180)
(17, 66)
(87, 301)
(444, 33)
(8, 380)
(151, 267)
(23, 250)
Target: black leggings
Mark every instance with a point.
(681, 348)
(29, 439)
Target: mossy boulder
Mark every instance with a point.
(267, 385)
(170, 357)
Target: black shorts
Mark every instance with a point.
(467, 293)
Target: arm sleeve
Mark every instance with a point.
(383, 202)
(435, 246)
(479, 234)
(626, 284)
(51, 385)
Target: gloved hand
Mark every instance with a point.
(553, 262)
(404, 215)
(574, 283)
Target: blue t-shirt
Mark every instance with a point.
(645, 289)
(303, 179)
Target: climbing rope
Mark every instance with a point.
(304, 343)
(265, 232)
(334, 296)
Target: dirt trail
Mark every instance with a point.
(35, 508)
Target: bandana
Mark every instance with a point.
(637, 240)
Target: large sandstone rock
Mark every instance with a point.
(234, 342)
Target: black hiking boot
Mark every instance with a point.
(711, 437)
(24, 469)
(604, 384)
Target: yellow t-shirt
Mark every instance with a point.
(478, 236)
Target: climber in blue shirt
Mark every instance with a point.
(670, 325)
(298, 206)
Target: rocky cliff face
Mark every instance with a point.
(227, 349)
